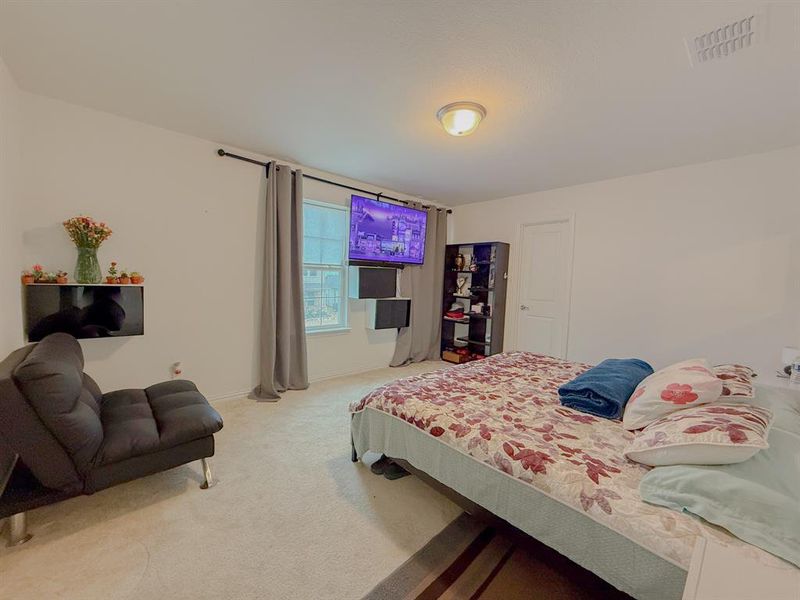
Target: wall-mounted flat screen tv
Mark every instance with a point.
(84, 311)
(385, 233)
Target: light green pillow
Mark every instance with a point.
(757, 500)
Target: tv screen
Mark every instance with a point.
(381, 232)
(83, 311)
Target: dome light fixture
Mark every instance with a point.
(461, 118)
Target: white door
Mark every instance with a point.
(544, 287)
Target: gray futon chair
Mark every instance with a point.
(70, 439)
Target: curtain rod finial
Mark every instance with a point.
(221, 152)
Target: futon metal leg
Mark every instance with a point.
(18, 529)
(209, 482)
(353, 454)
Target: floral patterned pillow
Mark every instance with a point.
(678, 386)
(715, 434)
(737, 381)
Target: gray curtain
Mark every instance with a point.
(283, 331)
(423, 284)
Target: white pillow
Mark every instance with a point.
(737, 382)
(684, 384)
(714, 434)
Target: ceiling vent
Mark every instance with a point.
(724, 41)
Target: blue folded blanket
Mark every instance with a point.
(604, 390)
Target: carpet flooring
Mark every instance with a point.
(474, 560)
(291, 516)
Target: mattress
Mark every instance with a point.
(494, 431)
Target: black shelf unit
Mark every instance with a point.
(488, 284)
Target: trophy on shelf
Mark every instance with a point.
(473, 264)
(461, 286)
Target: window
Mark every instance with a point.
(324, 265)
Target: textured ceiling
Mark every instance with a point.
(575, 91)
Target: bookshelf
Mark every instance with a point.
(484, 275)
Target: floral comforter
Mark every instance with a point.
(504, 411)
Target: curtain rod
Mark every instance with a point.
(378, 195)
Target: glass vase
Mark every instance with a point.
(87, 269)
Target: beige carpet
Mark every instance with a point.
(291, 517)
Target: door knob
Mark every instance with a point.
(523, 307)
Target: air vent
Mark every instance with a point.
(724, 41)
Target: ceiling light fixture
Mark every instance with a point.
(461, 118)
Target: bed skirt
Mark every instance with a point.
(613, 557)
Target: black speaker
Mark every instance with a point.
(388, 313)
(372, 282)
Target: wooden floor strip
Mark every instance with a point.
(481, 569)
(479, 560)
(440, 585)
(430, 562)
(496, 571)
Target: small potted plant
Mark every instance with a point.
(136, 277)
(48, 277)
(61, 277)
(38, 272)
(112, 273)
(124, 278)
(27, 277)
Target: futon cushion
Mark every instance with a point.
(51, 379)
(162, 416)
(94, 390)
(182, 413)
(128, 425)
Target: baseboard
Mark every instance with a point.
(229, 396)
(358, 371)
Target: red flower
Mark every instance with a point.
(567, 451)
(533, 460)
(736, 433)
(601, 498)
(679, 393)
(460, 430)
(595, 468)
(700, 428)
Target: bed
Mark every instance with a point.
(494, 431)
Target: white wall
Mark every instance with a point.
(702, 260)
(10, 236)
(192, 222)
